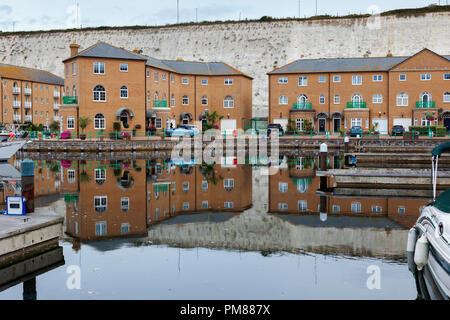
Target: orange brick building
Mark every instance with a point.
(336, 94)
(29, 95)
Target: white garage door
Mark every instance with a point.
(405, 122)
(283, 122)
(382, 127)
(228, 126)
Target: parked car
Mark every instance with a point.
(398, 130)
(355, 131)
(275, 126)
(186, 130)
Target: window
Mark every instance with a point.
(425, 76)
(302, 205)
(99, 122)
(377, 209)
(322, 79)
(356, 122)
(99, 68)
(377, 98)
(67, 73)
(163, 77)
(282, 206)
(356, 80)
(185, 81)
(401, 210)
(123, 92)
(299, 124)
(336, 209)
(228, 184)
(425, 97)
(204, 82)
(228, 102)
(357, 99)
(185, 186)
(302, 81)
(99, 93)
(185, 100)
(70, 123)
(172, 100)
(283, 80)
(336, 78)
(402, 77)
(322, 99)
(172, 79)
(283, 187)
(100, 203)
(100, 229)
(446, 76)
(228, 81)
(204, 101)
(337, 99)
(125, 204)
(402, 99)
(356, 207)
(185, 206)
(125, 228)
(74, 68)
(205, 205)
(377, 78)
(205, 185)
(447, 97)
(158, 123)
(228, 205)
(71, 176)
(100, 176)
(283, 100)
(124, 67)
(148, 73)
(156, 76)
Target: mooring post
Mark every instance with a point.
(27, 173)
(323, 208)
(346, 151)
(29, 289)
(323, 166)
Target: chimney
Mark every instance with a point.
(74, 49)
(389, 54)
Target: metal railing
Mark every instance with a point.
(16, 90)
(70, 100)
(27, 91)
(28, 104)
(425, 104)
(302, 106)
(357, 105)
(16, 104)
(160, 104)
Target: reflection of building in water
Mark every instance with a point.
(172, 190)
(293, 190)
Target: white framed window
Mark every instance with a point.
(125, 203)
(356, 207)
(282, 206)
(71, 176)
(322, 99)
(204, 82)
(283, 100)
(377, 209)
(185, 100)
(302, 205)
(99, 68)
(377, 77)
(185, 80)
(447, 97)
(228, 81)
(163, 76)
(185, 206)
(100, 203)
(337, 99)
(172, 100)
(123, 67)
(125, 228)
(283, 187)
(228, 102)
(99, 93)
(299, 124)
(74, 68)
(205, 185)
(185, 186)
(401, 210)
(322, 79)
(377, 98)
(156, 76)
(205, 204)
(228, 205)
(336, 208)
(302, 81)
(402, 99)
(336, 78)
(356, 122)
(204, 101)
(100, 229)
(357, 80)
(100, 176)
(70, 123)
(425, 76)
(283, 80)
(228, 184)
(446, 76)
(158, 123)
(99, 122)
(148, 73)
(123, 92)
(402, 77)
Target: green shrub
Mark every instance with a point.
(438, 131)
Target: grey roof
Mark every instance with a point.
(29, 74)
(340, 65)
(104, 50)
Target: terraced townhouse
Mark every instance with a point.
(109, 84)
(29, 95)
(336, 94)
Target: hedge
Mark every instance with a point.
(438, 131)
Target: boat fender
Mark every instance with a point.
(412, 238)
(421, 253)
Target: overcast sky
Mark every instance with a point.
(60, 14)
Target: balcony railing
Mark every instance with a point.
(425, 104)
(56, 106)
(160, 104)
(56, 94)
(28, 118)
(302, 106)
(16, 90)
(56, 118)
(70, 100)
(28, 104)
(356, 105)
(27, 91)
(17, 118)
(16, 104)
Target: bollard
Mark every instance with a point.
(346, 150)
(27, 173)
(29, 290)
(323, 166)
(323, 208)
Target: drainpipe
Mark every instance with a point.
(1, 97)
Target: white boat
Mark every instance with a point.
(429, 242)
(4, 136)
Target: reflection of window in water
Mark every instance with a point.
(76, 228)
(185, 205)
(336, 209)
(229, 205)
(299, 164)
(165, 212)
(100, 176)
(205, 185)
(71, 176)
(205, 205)
(158, 169)
(282, 206)
(156, 195)
(377, 209)
(185, 186)
(302, 185)
(228, 184)
(283, 187)
(125, 228)
(100, 229)
(401, 210)
(356, 207)
(125, 204)
(302, 205)
(173, 188)
(173, 209)
(100, 203)
(157, 214)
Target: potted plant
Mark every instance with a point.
(102, 134)
(125, 135)
(115, 135)
(54, 128)
(83, 122)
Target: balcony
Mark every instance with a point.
(27, 91)
(56, 118)
(425, 104)
(56, 106)
(28, 118)
(302, 106)
(16, 90)
(16, 104)
(28, 104)
(70, 100)
(17, 117)
(160, 104)
(56, 94)
(357, 105)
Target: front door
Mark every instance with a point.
(447, 124)
(336, 124)
(322, 125)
